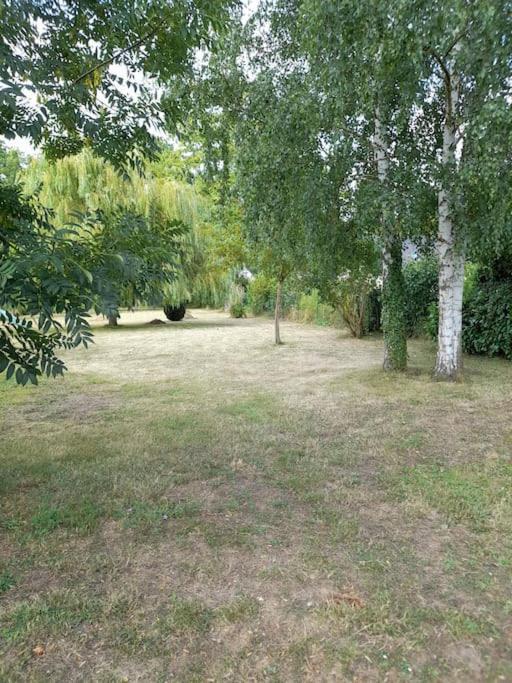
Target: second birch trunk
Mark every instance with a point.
(393, 317)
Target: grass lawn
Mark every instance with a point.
(192, 503)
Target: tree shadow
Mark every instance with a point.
(168, 325)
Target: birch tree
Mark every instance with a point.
(463, 100)
(434, 77)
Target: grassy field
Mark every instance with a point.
(192, 503)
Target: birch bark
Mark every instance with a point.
(450, 247)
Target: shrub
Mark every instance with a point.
(237, 310)
(432, 320)
(175, 312)
(308, 306)
(421, 291)
(487, 319)
(358, 302)
(261, 294)
(311, 309)
(236, 302)
(374, 310)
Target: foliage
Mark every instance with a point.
(59, 87)
(374, 310)
(10, 165)
(237, 310)
(148, 256)
(487, 319)
(421, 290)
(53, 267)
(237, 298)
(59, 90)
(216, 249)
(352, 298)
(393, 310)
(270, 180)
(41, 274)
(311, 309)
(146, 220)
(487, 312)
(261, 294)
(174, 313)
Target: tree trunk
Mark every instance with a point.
(277, 315)
(112, 320)
(393, 305)
(393, 297)
(451, 251)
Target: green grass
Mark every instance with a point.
(479, 495)
(51, 614)
(191, 506)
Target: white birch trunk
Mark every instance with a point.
(451, 253)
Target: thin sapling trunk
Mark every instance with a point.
(277, 313)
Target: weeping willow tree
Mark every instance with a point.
(87, 184)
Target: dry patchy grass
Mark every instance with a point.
(192, 503)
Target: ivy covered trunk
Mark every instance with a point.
(393, 296)
(450, 250)
(393, 305)
(277, 313)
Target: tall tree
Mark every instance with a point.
(78, 73)
(429, 114)
(464, 91)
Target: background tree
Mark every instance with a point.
(148, 221)
(355, 65)
(275, 156)
(11, 164)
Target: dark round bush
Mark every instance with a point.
(174, 312)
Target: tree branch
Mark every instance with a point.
(440, 60)
(120, 53)
(447, 77)
(455, 41)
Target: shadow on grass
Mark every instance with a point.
(188, 325)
